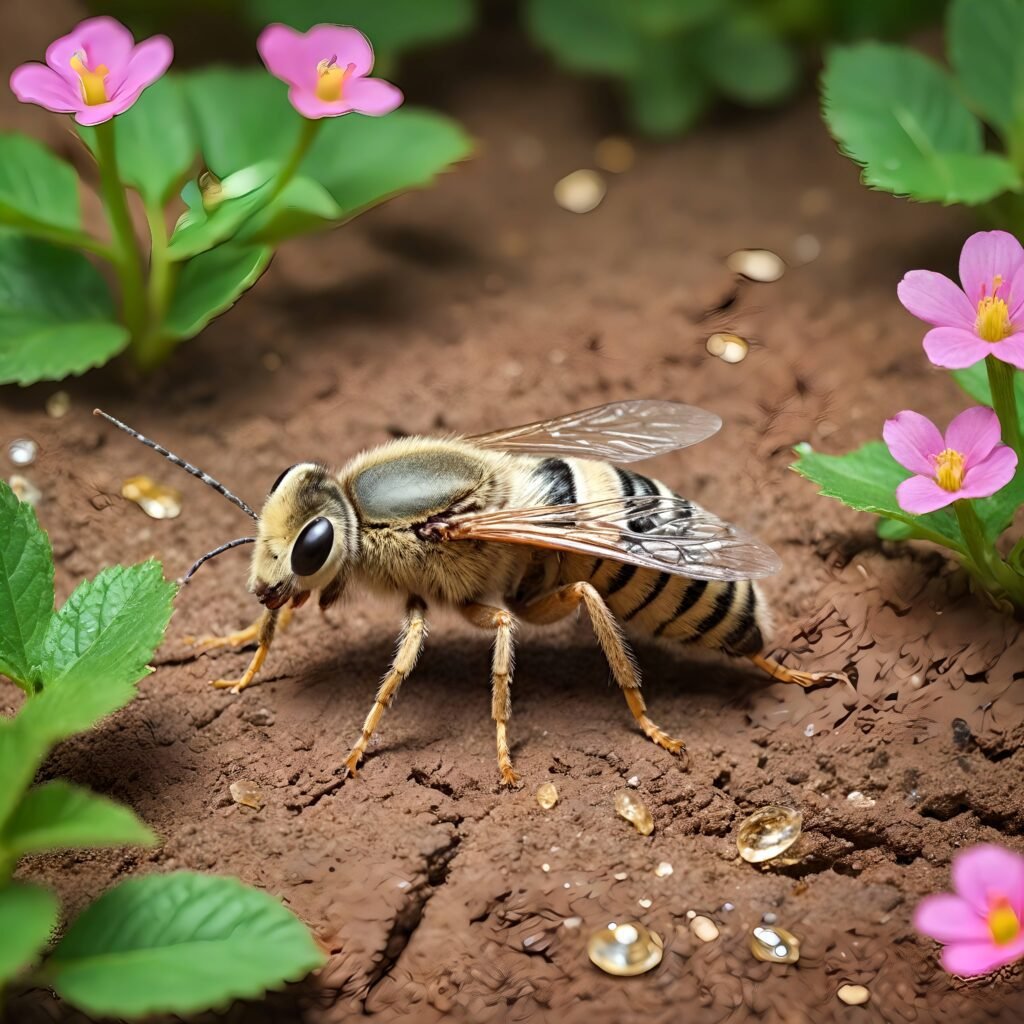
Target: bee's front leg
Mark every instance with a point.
(264, 630)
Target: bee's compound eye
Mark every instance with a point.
(312, 547)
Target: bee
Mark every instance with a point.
(525, 525)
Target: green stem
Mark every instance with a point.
(1004, 401)
(152, 347)
(984, 561)
(310, 128)
(128, 261)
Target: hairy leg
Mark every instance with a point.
(808, 680)
(262, 631)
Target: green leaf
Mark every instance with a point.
(59, 816)
(666, 93)
(178, 943)
(56, 313)
(362, 161)
(36, 188)
(586, 35)
(304, 205)
(748, 62)
(866, 479)
(28, 914)
(23, 747)
(890, 529)
(212, 283)
(26, 589)
(156, 143)
(974, 380)
(984, 48)
(897, 114)
(390, 25)
(98, 646)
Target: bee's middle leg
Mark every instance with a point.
(503, 624)
(410, 643)
(560, 603)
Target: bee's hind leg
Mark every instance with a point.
(503, 624)
(560, 603)
(808, 680)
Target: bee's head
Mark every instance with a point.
(307, 532)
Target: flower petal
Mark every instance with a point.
(968, 959)
(282, 51)
(936, 300)
(954, 348)
(103, 40)
(920, 495)
(990, 475)
(913, 439)
(97, 113)
(148, 61)
(1010, 350)
(986, 255)
(985, 873)
(345, 45)
(371, 96)
(36, 83)
(948, 918)
(1014, 295)
(973, 433)
(308, 104)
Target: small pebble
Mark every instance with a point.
(761, 265)
(545, 867)
(769, 918)
(853, 995)
(728, 906)
(25, 490)
(663, 870)
(691, 914)
(633, 782)
(247, 794)
(858, 799)
(614, 154)
(768, 832)
(625, 949)
(580, 192)
(645, 903)
(572, 923)
(547, 795)
(634, 810)
(730, 348)
(620, 876)
(58, 404)
(22, 452)
(704, 928)
(809, 729)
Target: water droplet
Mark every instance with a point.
(775, 945)
(614, 154)
(704, 928)
(853, 995)
(58, 404)
(760, 265)
(247, 794)
(633, 809)
(22, 452)
(156, 500)
(580, 192)
(663, 870)
(730, 348)
(768, 832)
(547, 795)
(25, 490)
(625, 949)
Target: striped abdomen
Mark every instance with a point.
(725, 616)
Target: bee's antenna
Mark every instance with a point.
(178, 461)
(213, 554)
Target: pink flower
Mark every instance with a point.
(982, 926)
(987, 317)
(970, 462)
(326, 70)
(94, 72)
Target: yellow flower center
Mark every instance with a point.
(1003, 922)
(949, 470)
(93, 90)
(993, 320)
(330, 79)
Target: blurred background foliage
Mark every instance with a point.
(671, 61)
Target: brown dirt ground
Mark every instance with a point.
(477, 304)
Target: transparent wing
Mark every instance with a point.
(620, 432)
(669, 534)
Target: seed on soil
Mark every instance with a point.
(247, 794)
(730, 348)
(620, 876)
(22, 452)
(858, 799)
(572, 923)
(547, 795)
(768, 832)
(775, 945)
(645, 903)
(580, 192)
(614, 154)
(625, 949)
(25, 490)
(156, 500)
(853, 995)
(663, 870)
(634, 810)
(761, 265)
(768, 918)
(704, 928)
(58, 404)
